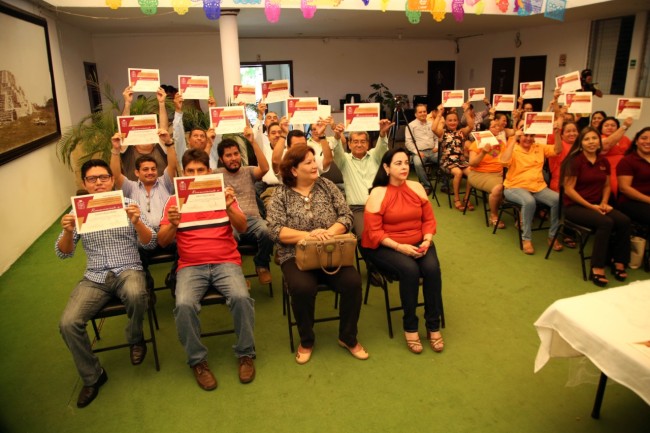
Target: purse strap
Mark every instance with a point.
(319, 250)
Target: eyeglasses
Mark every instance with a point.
(93, 179)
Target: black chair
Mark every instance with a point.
(286, 300)
(579, 234)
(251, 250)
(515, 210)
(213, 297)
(486, 202)
(447, 179)
(114, 307)
(386, 279)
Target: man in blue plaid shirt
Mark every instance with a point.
(113, 269)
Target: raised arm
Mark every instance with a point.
(322, 140)
(163, 119)
(116, 161)
(262, 163)
(609, 142)
(172, 157)
(127, 94)
(437, 126)
(468, 112)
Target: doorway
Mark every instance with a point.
(441, 76)
(533, 68)
(254, 73)
(503, 76)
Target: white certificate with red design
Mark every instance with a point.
(245, 94)
(628, 107)
(578, 102)
(141, 129)
(144, 80)
(194, 86)
(228, 120)
(101, 211)
(532, 90)
(568, 82)
(362, 117)
(484, 137)
(453, 98)
(302, 110)
(502, 102)
(275, 91)
(200, 193)
(538, 123)
(476, 94)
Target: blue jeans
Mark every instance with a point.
(191, 284)
(86, 300)
(258, 231)
(528, 201)
(429, 156)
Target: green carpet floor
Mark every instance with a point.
(483, 382)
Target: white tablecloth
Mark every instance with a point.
(604, 326)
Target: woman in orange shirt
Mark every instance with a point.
(615, 144)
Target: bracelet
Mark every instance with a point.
(283, 136)
(322, 137)
(171, 143)
(624, 127)
(114, 152)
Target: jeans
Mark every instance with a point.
(258, 231)
(528, 201)
(192, 282)
(409, 271)
(86, 300)
(428, 156)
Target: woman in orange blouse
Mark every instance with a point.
(399, 227)
(615, 144)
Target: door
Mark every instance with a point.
(533, 68)
(441, 76)
(503, 76)
(254, 73)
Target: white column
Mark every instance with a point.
(229, 36)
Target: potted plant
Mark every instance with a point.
(384, 97)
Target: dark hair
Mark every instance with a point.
(145, 158)
(198, 128)
(600, 127)
(633, 146)
(226, 143)
(576, 149)
(94, 163)
(291, 159)
(565, 124)
(602, 113)
(272, 124)
(196, 155)
(421, 105)
(292, 134)
(381, 178)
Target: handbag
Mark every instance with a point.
(637, 251)
(328, 255)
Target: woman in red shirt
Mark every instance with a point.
(585, 178)
(615, 144)
(398, 229)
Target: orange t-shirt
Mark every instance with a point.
(490, 162)
(525, 167)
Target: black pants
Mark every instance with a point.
(302, 288)
(613, 227)
(637, 211)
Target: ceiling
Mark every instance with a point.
(327, 23)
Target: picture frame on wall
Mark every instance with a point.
(29, 117)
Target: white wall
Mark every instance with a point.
(476, 54)
(36, 188)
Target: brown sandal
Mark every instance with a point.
(459, 205)
(414, 345)
(437, 344)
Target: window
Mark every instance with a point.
(644, 83)
(609, 53)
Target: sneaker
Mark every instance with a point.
(246, 369)
(204, 376)
(264, 275)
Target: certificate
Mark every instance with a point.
(324, 111)
(302, 110)
(628, 107)
(194, 86)
(245, 94)
(538, 123)
(578, 102)
(362, 117)
(476, 94)
(101, 211)
(142, 129)
(200, 193)
(453, 98)
(503, 102)
(275, 91)
(568, 82)
(532, 90)
(484, 137)
(227, 120)
(144, 80)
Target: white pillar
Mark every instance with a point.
(229, 36)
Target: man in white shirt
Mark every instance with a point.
(423, 144)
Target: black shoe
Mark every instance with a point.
(375, 279)
(444, 188)
(427, 190)
(88, 393)
(138, 352)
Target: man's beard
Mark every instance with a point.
(233, 170)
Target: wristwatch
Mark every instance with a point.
(171, 143)
(322, 137)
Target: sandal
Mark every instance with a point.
(598, 279)
(568, 242)
(414, 345)
(303, 357)
(499, 224)
(557, 246)
(437, 344)
(470, 206)
(527, 247)
(619, 274)
(459, 205)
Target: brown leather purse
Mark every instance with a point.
(329, 255)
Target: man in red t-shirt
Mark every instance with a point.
(208, 256)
